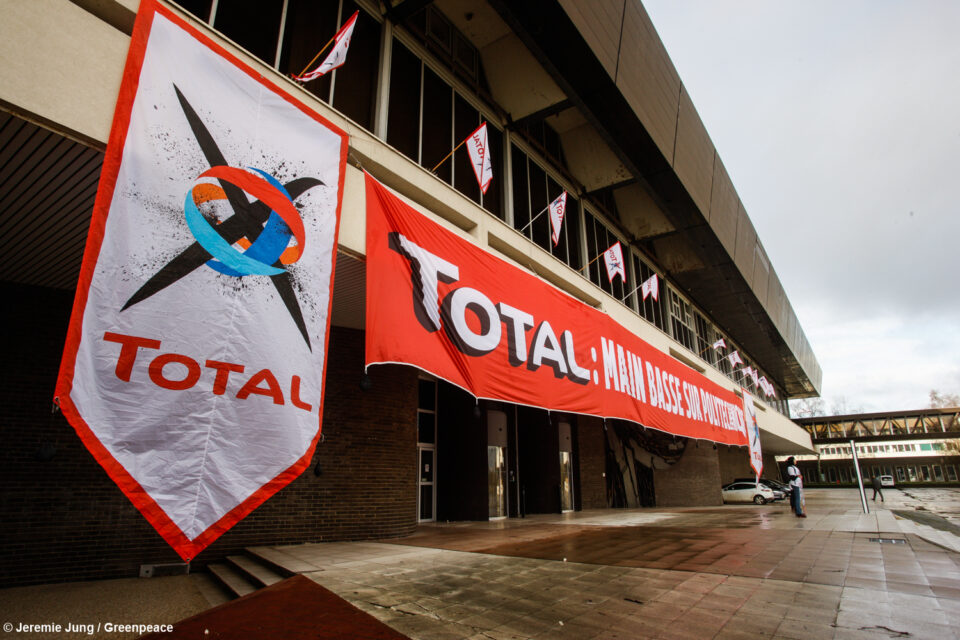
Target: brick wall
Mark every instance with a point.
(692, 481)
(735, 463)
(593, 463)
(65, 520)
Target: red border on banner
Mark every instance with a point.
(186, 548)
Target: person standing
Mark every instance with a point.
(796, 487)
(877, 486)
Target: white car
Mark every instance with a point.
(886, 481)
(748, 492)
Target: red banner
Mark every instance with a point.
(443, 305)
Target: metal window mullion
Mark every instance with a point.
(508, 178)
(420, 118)
(283, 26)
(382, 107)
(453, 137)
(333, 75)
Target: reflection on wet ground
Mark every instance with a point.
(726, 572)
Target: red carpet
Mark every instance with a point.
(293, 609)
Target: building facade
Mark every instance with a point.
(578, 96)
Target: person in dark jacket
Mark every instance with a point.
(877, 485)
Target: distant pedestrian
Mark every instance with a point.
(796, 487)
(877, 485)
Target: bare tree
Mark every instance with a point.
(942, 400)
(807, 408)
(843, 407)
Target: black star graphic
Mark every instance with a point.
(247, 221)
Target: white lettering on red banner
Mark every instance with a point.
(438, 302)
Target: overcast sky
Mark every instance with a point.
(839, 124)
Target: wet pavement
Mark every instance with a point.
(725, 572)
(722, 572)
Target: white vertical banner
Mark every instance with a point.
(195, 359)
(753, 432)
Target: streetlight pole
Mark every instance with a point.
(856, 465)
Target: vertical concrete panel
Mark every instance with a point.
(776, 302)
(724, 208)
(694, 481)
(599, 22)
(693, 157)
(647, 78)
(761, 274)
(746, 245)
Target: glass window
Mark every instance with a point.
(426, 411)
(427, 394)
(355, 83)
(199, 8)
(533, 191)
(403, 119)
(599, 239)
(681, 319)
(705, 338)
(925, 473)
(428, 120)
(650, 309)
(951, 473)
(308, 27)
(252, 24)
(937, 473)
(426, 427)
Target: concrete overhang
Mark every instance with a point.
(608, 60)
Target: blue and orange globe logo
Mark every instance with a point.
(271, 247)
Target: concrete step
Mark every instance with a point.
(282, 563)
(235, 581)
(255, 570)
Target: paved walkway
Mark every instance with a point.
(730, 572)
(720, 572)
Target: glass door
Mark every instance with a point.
(497, 482)
(427, 496)
(566, 481)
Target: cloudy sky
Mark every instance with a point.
(839, 123)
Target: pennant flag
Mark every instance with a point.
(613, 259)
(557, 208)
(765, 385)
(719, 344)
(651, 287)
(753, 432)
(194, 363)
(755, 376)
(337, 55)
(480, 156)
(734, 358)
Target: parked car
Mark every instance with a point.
(748, 492)
(776, 485)
(886, 481)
